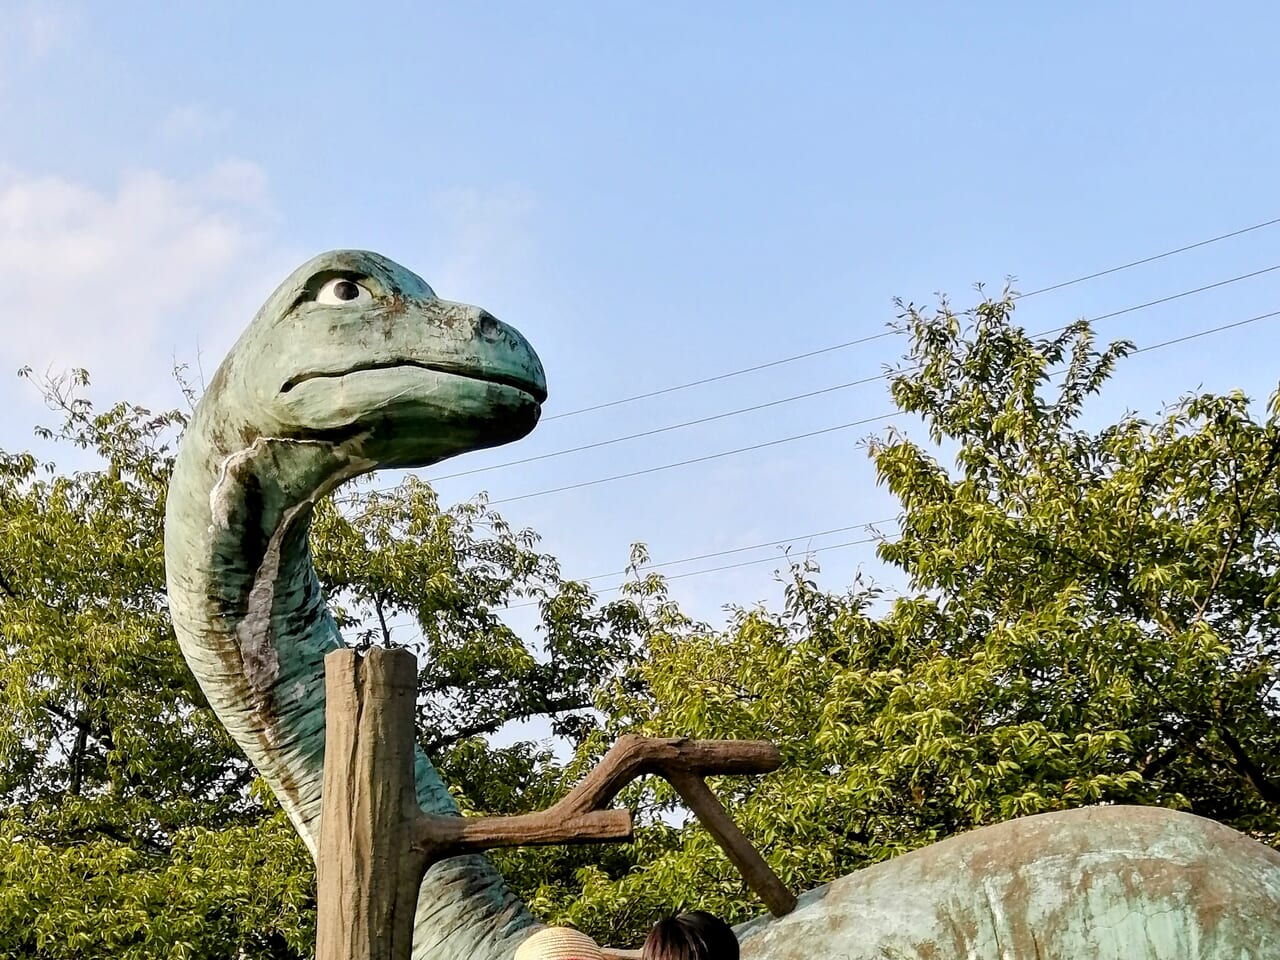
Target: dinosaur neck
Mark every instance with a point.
(254, 627)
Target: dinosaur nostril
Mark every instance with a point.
(489, 327)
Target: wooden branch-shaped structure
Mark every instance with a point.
(376, 843)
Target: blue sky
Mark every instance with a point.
(652, 193)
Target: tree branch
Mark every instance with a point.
(1246, 767)
(1242, 515)
(382, 620)
(113, 832)
(77, 759)
(103, 736)
(492, 725)
(1186, 739)
(241, 779)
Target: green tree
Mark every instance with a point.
(1091, 617)
(130, 825)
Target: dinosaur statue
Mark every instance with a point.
(353, 365)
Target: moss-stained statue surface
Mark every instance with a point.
(355, 365)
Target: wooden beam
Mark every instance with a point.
(712, 815)
(579, 817)
(376, 843)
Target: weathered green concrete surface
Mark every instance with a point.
(1105, 883)
(328, 382)
(354, 365)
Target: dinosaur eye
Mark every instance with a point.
(341, 291)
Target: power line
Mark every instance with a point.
(1153, 259)
(725, 553)
(854, 423)
(685, 463)
(727, 566)
(1205, 333)
(657, 430)
(815, 393)
(723, 376)
(1171, 297)
(747, 563)
(888, 333)
(872, 523)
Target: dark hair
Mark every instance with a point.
(691, 936)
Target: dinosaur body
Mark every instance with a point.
(354, 365)
(1101, 883)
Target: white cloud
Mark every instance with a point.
(192, 122)
(237, 181)
(47, 24)
(35, 29)
(119, 280)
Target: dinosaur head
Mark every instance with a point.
(355, 350)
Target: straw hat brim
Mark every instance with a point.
(558, 943)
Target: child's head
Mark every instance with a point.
(558, 943)
(691, 936)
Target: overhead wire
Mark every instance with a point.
(748, 563)
(657, 430)
(870, 523)
(1152, 259)
(728, 566)
(733, 550)
(1204, 333)
(724, 376)
(692, 460)
(870, 337)
(813, 393)
(838, 427)
(1174, 296)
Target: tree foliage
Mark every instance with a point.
(1090, 617)
(130, 825)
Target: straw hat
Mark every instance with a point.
(558, 943)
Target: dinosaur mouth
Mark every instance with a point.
(523, 384)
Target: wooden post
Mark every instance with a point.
(368, 872)
(376, 843)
